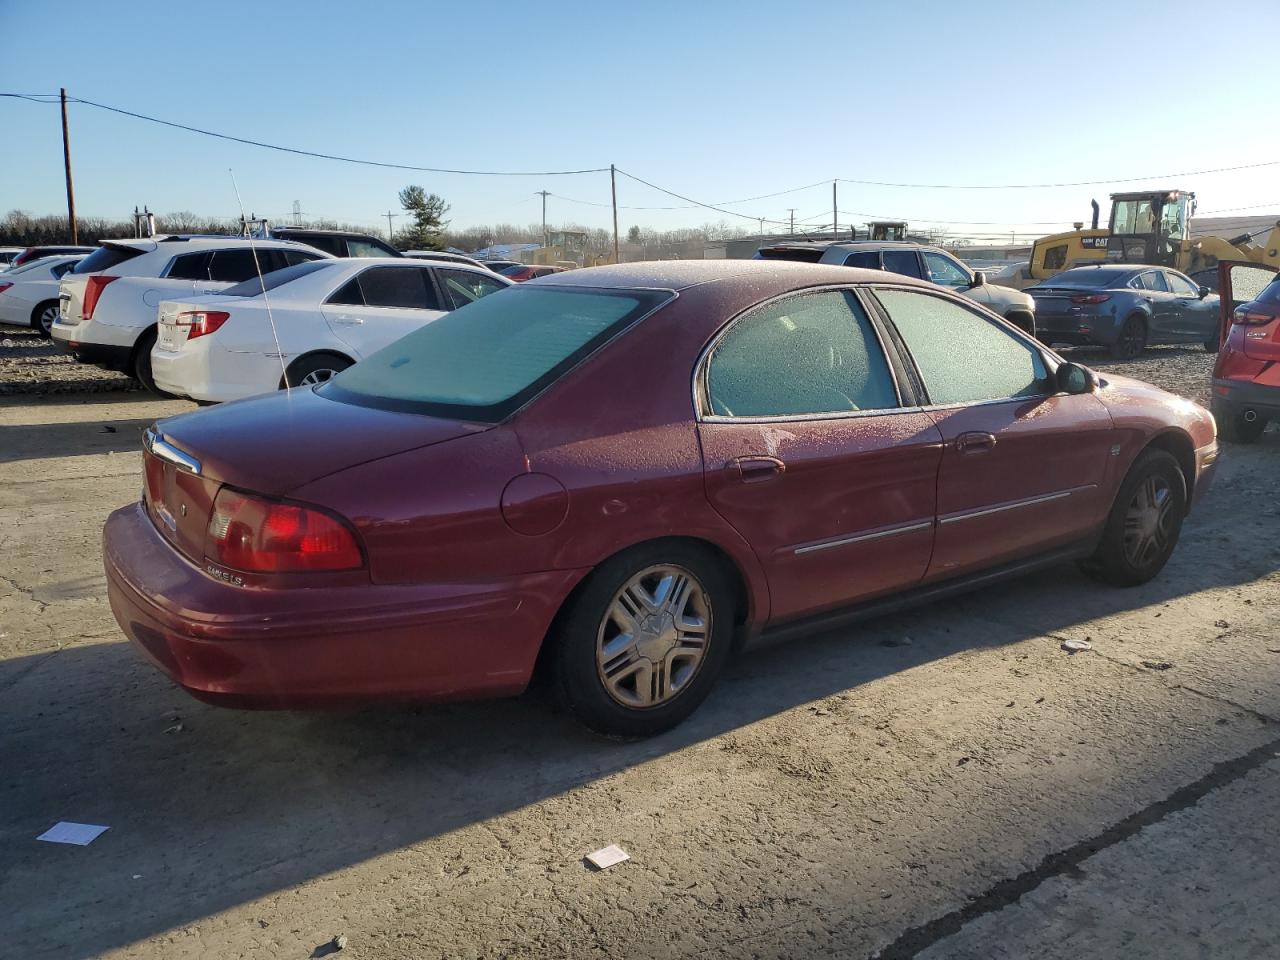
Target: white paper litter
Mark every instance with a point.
(80, 834)
(607, 857)
(1073, 646)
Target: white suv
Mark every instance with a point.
(108, 302)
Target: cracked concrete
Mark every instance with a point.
(977, 793)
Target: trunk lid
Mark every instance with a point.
(277, 442)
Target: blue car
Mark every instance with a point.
(1125, 307)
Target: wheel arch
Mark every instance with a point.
(745, 602)
(322, 352)
(1182, 448)
(38, 308)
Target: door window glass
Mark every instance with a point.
(1152, 280)
(365, 248)
(403, 287)
(810, 354)
(462, 287)
(963, 357)
(190, 266)
(866, 259)
(294, 257)
(945, 271)
(348, 294)
(903, 261)
(1181, 285)
(236, 266)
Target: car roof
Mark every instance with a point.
(320, 232)
(770, 276)
(192, 241)
(850, 245)
(1135, 267)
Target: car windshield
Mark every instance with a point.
(485, 360)
(513, 270)
(1090, 278)
(257, 286)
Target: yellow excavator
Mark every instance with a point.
(1147, 227)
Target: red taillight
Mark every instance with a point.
(1091, 298)
(201, 321)
(5, 286)
(249, 533)
(92, 293)
(1243, 315)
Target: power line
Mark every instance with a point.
(1046, 186)
(321, 156)
(690, 200)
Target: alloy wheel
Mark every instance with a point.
(47, 316)
(1148, 523)
(316, 376)
(653, 637)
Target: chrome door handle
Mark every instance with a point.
(975, 442)
(755, 469)
(349, 320)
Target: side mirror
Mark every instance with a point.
(1204, 292)
(1074, 378)
(979, 279)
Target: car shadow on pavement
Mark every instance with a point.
(211, 808)
(38, 441)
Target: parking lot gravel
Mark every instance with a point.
(945, 783)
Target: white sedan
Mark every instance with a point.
(29, 293)
(303, 324)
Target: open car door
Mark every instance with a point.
(1239, 281)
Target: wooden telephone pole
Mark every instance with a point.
(66, 158)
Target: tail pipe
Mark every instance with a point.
(1250, 416)
(1097, 211)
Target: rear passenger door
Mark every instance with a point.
(380, 305)
(811, 453)
(1024, 466)
(1164, 306)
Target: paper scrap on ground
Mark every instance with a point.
(80, 834)
(607, 857)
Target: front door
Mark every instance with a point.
(811, 454)
(1196, 317)
(1023, 466)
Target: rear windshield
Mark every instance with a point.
(1271, 294)
(485, 360)
(257, 286)
(1089, 278)
(105, 257)
(512, 270)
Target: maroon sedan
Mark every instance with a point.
(521, 272)
(629, 468)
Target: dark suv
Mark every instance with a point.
(913, 260)
(337, 243)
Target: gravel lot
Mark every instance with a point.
(948, 783)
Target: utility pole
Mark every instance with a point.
(792, 211)
(762, 229)
(391, 237)
(835, 216)
(613, 186)
(544, 194)
(297, 213)
(66, 159)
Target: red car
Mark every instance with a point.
(618, 475)
(521, 272)
(1246, 377)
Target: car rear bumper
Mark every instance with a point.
(209, 372)
(1239, 395)
(302, 648)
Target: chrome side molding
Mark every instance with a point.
(158, 446)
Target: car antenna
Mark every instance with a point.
(266, 301)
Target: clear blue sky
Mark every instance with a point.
(715, 100)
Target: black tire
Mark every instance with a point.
(314, 368)
(582, 630)
(42, 318)
(1132, 340)
(1234, 428)
(1024, 321)
(141, 365)
(1129, 552)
